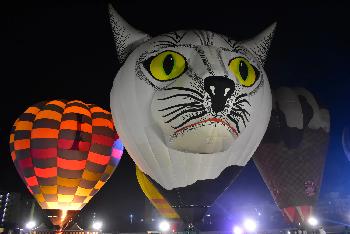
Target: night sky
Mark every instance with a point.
(60, 50)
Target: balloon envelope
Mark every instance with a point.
(292, 154)
(64, 151)
(198, 104)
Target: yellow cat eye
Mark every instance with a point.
(243, 71)
(166, 66)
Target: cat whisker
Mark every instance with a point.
(242, 101)
(239, 116)
(180, 95)
(184, 112)
(186, 89)
(191, 104)
(245, 112)
(189, 119)
(235, 122)
(181, 108)
(241, 96)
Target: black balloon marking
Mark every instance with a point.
(243, 70)
(168, 64)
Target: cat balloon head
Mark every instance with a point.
(188, 104)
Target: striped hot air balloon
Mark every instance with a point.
(64, 151)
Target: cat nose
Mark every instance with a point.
(219, 88)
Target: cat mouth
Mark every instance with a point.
(213, 120)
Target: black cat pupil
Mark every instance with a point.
(243, 70)
(168, 64)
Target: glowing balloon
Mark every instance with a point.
(64, 152)
(191, 108)
(292, 155)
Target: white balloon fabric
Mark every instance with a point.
(188, 104)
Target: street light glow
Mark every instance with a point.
(164, 226)
(249, 225)
(237, 230)
(30, 225)
(312, 221)
(97, 225)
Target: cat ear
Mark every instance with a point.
(126, 37)
(260, 44)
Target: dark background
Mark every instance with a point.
(58, 49)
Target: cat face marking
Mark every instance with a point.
(199, 86)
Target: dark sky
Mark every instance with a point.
(65, 50)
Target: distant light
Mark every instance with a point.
(164, 226)
(208, 215)
(31, 224)
(312, 221)
(259, 214)
(237, 230)
(97, 225)
(249, 225)
(288, 232)
(153, 220)
(141, 220)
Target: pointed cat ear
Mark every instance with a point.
(126, 37)
(260, 44)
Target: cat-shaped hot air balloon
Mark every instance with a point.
(190, 107)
